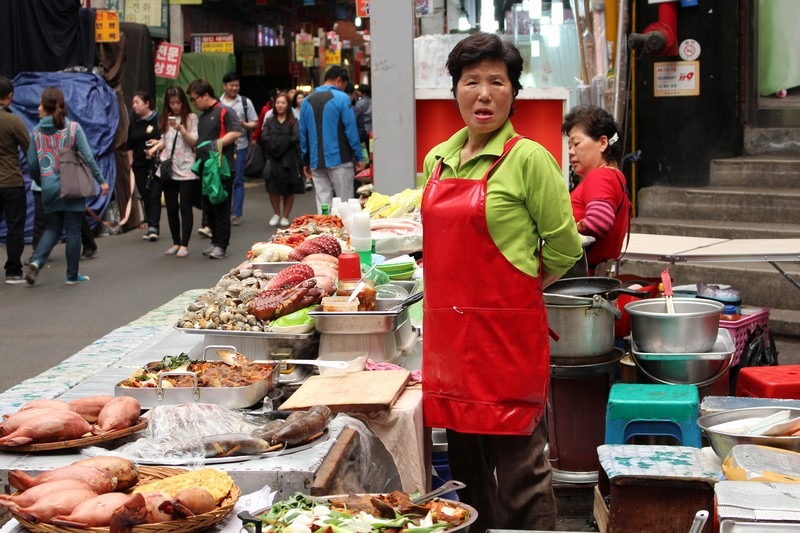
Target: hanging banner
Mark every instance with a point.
(168, 60)
(152, 13)
(304, 49)
(212, 42)
(333, 57)
(106, 26)
(362, 8)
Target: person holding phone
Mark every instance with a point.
(178, 139)
(144, 133)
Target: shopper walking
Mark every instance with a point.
(13, 203)
(144, 132)
(56, 132)
(248, 117)
(502, 198)
(216, 123)
(329, 139)
(283, 169)
(176, 147)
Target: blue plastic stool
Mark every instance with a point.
(653, 410)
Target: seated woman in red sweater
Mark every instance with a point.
(600, 201)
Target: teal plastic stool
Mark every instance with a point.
(653, 410)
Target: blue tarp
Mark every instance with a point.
(92, 103)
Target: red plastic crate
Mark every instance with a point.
(769, 382)
(741, 329)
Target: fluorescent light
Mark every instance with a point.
(358, 22)
(535, 9)
(557, 12)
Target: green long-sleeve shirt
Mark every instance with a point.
(13, 136)
(526, 200)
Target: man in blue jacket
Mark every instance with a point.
(329, 139)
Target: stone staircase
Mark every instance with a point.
(749, 197)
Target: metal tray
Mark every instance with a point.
(358, 322)
(273, 268)
(723, 349)
(247, 334)
(231, 397)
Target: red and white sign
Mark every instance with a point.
(362, 8)
(168, 60)
(689, 50)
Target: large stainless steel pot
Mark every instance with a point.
(583, 329)
(608, 288)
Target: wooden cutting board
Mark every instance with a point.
(375, 390)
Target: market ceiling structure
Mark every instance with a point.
(288, 13)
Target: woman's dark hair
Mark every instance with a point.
(146, 98)
(173, 92)
(294, 98)
(480, 46)
(54, 105)
(289, 115)
(596, 122)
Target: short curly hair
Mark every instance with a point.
(596, 122)
(480, 46)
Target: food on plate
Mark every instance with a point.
(291, 276)
(361, 513)
(94, 512)
(119, 413)
(53, 504)
(123, 471)
(208, 373)
(274, 303)
(234, 444)
(394, 227)
(324, 258)
(218, 483)
(90, 406)
(293, 240)
(299, 426)
(141, 508)
(49, 425)
(103, 474)
(16, 420)
(268, 430)
(316, 222)
(397, 205)
(269, 252)
(319, 244)
(47, 404)
(29, 497)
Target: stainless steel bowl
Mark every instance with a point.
(691, 329)
(722, 442)
(698, 369)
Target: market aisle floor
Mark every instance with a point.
(47, 323)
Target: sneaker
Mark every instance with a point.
(208, 250)
(89, 253)
(284, 221)
(309, 186)
(31, 271)
(205, 231)
(274, 220)
(15, 280)
(235, 221)
(152, 237)
(79, 279)
(217, 253)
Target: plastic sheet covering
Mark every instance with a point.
(369, 468)
(779, 46)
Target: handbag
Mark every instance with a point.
(254, 164)
(165, 165)
(77, 180)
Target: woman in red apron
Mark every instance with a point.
(497, 227)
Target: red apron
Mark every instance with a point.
(486, 351)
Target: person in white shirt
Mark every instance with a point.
(248, 116)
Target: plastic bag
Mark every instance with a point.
(760, 349)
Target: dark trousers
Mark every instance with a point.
(14, 205)
(38, 218)
(219, 217)
(150, 196)
(87, 237)
(508, 479)
(178, 197)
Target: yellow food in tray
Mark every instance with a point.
(218, 483)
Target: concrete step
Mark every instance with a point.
(722, 229)
(760, 284)
(771, 140)
(766, 171)
(743, 204)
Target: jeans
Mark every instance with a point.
(70, 222)
(14, 205)
(238, 183)
(219, 218)
(333, 181)
(151, 198)
(38, 218)
(178, 197)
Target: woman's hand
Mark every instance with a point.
(104, 189)
(581, 226)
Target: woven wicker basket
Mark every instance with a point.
(187, 525)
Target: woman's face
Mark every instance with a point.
(175, 105)
(484, 95)
(139, 107)
(585, 153)
(299, 100)
(42, 113)
(281, 105)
